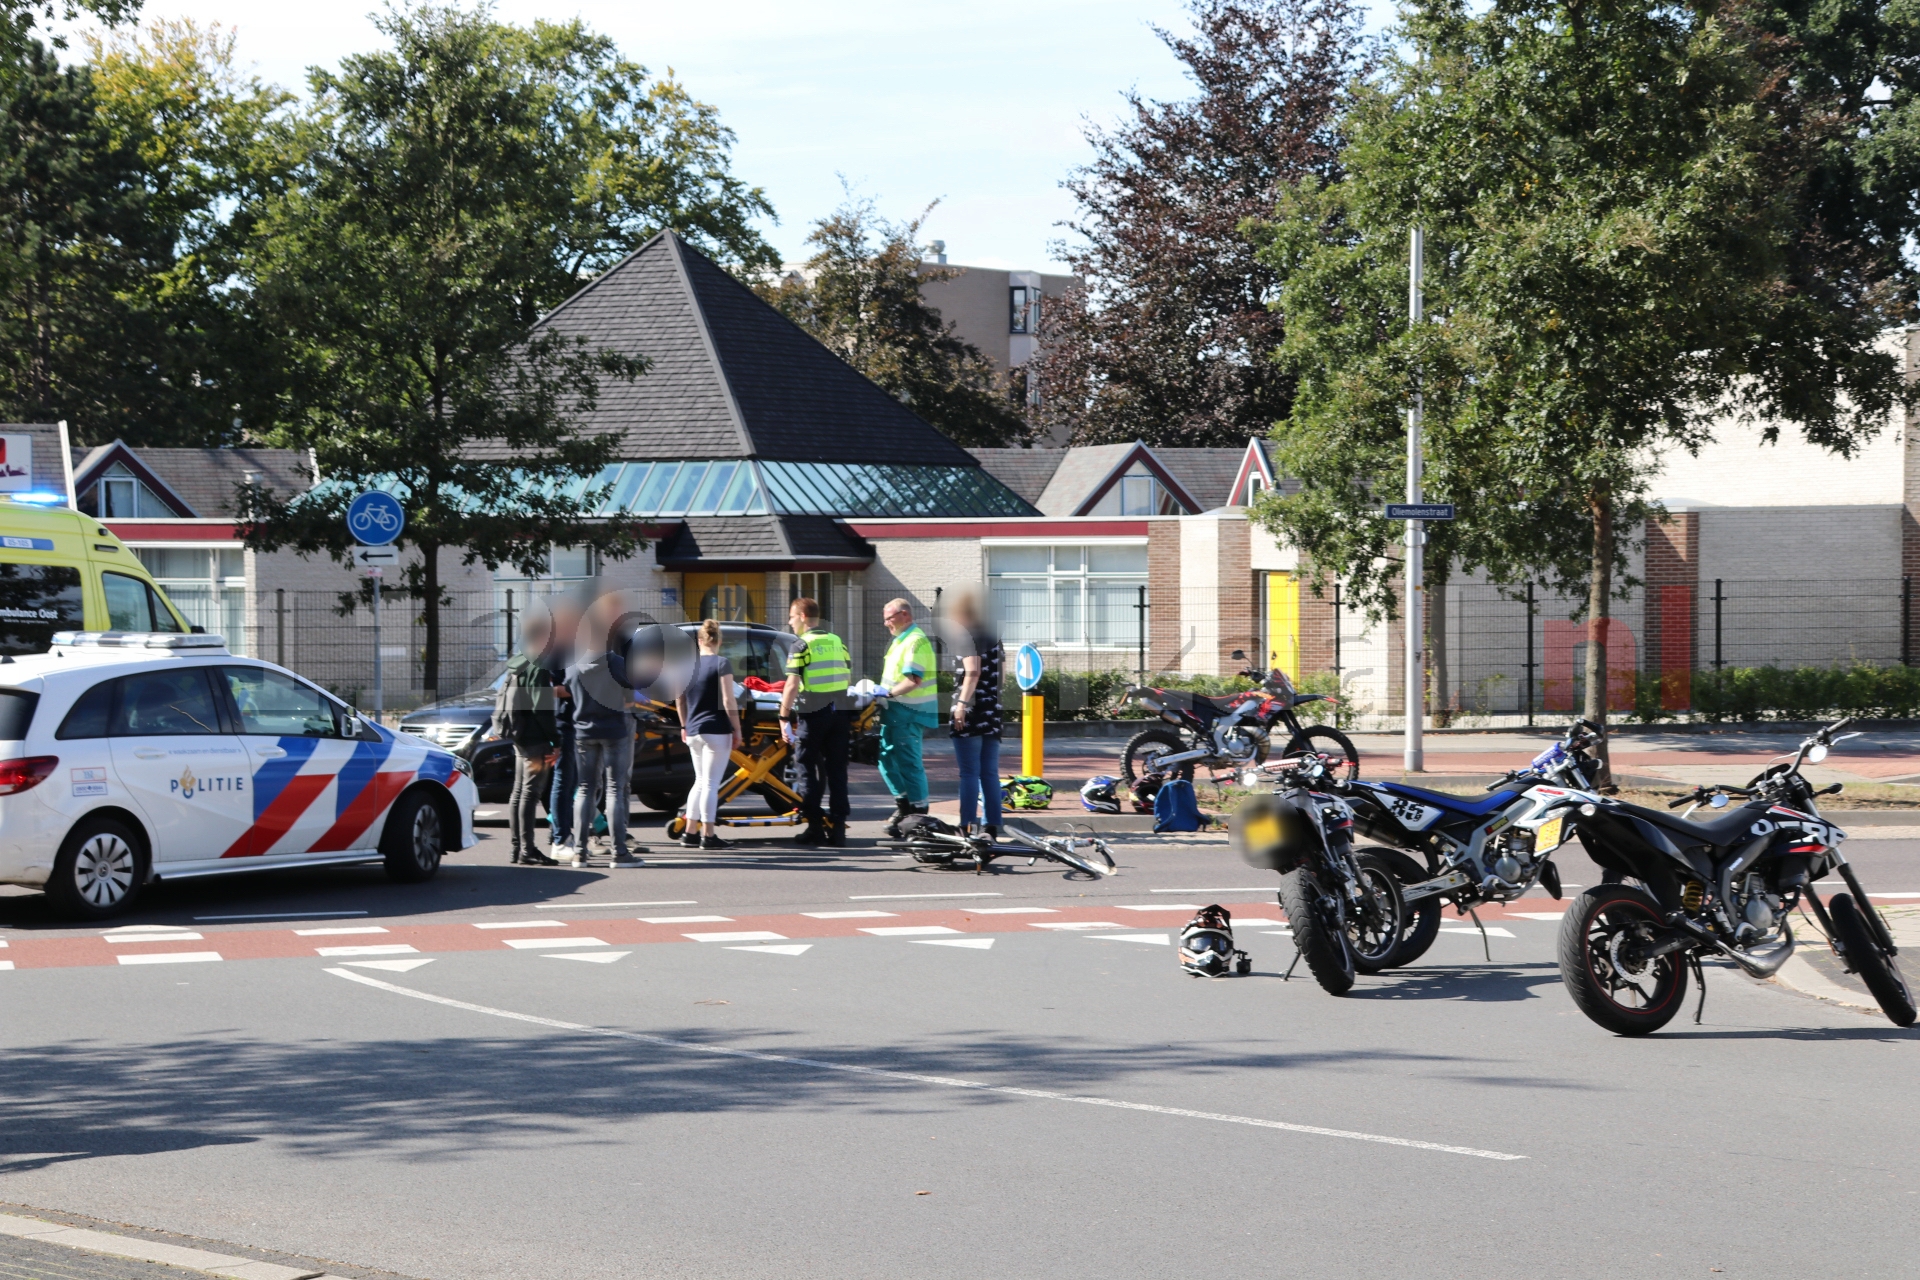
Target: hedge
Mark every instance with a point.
(1752, 694)
(1097, 695)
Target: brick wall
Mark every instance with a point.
(1239, 596)
(1163, 594)
(1671, 609)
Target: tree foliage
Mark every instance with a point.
(1168, 339)
(860, 296)
(430, 216)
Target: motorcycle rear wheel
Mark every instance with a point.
(1863, 955)
(1145, 748)
(1326, 740)
(1419, 922)
(1375, 928)
(1627, 1000)
(1321, 943)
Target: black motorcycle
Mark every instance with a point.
(1229, 732)
(1344, 908)
(1682, 890)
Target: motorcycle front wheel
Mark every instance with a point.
(1864, 956)
(1143, 752)
(1599, 961)
(1321, 942)
(1374, 929)
(1324, 739)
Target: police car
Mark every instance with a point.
(132, 757)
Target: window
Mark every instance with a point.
(1138, 496)
(208, 585)
(121, 495)
(280, 706)
(165, 703)
(133, 606)
(16, 713)
(1254, 485)
(1024, 309)
(37, 600)
(815, 586)
(91, 715)
(1068, 595)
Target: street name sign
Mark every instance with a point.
(1419, 511)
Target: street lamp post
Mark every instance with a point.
(1416, 535)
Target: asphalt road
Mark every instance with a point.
(845, 1104)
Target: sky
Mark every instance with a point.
(978, 104)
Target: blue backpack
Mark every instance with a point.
(1176, 808)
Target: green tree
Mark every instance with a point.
(424, 231)
(860, 296)
(1633, 214)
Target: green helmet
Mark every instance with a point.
(1025, 793)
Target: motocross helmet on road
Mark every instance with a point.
(1206, 945)
(1100, 795)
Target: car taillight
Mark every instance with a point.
(23, 775)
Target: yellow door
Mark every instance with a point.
(1283, 623)
(724, 596)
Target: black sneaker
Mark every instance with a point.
(836, 838)
(812, 835)
(691, 839)
(537, 859)
(713, 842)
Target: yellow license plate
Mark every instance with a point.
(1260, 831)
(1549, 835)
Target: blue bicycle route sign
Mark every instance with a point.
(375, 518)
(1027, 667)
(1419, 511)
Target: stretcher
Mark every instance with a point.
(761, 768)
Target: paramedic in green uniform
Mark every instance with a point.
(908, 677)
(812, 719)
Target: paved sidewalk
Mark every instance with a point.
(41, 1244)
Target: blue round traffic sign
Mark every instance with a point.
(375, 518)
(1027, 667)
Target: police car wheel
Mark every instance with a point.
(412, 842)
(99, 871)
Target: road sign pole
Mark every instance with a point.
(378, 691)
(1416, 602)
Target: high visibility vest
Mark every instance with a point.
(911, 654)
(822, 664)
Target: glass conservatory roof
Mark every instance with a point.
(741, 486)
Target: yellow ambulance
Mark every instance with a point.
(63, 571)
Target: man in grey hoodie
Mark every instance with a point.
(603, 736)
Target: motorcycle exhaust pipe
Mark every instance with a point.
(1762, 962)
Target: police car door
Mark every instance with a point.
(302, 761)
(188, 777)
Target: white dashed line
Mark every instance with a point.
(6, 964)
(283, 915)
(790, 949)
(908, 930)
(1538, 915)
(528, 944)
(591, 957)
(343, 929)
(569, 906)
(378, 949)
(1159, 938)
(520, 924)
(827, 915)
(746, 935)
(172, 957)
(1267, 888)
(883, 897)
(1014, 911)
(1074, 924)
(158, 937)
(972, 944)
(686, 919)
(1167, 906)
(944, 1082)
(392, 966)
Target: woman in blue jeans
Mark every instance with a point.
(978, 661)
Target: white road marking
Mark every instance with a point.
(907, 930)
(569, 906)
(344, 929)
(144, 928)
(1894, 895)
(171, 957)
(910, 1077)
(1014, 911)
(1159, 938)
(527, 944)
(686, 919)
(3, 942)
(972, 944)
(882, 897)
(392, 966)
(6, 964)
(745, 935)
(160, 937)
(520, 924)
(1493, 930)
(1264, 888)
(1538, 915)
(285, 915)
(1166, 906)
(1072, 924)
(845, 915)
(591, 957)
(1278, 933)
(1240, 920)
(790, 949)
(378, 949)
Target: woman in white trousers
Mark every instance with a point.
(710, 726)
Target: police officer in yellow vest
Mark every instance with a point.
(909, 678)
(814, 721)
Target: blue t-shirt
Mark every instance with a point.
(706, 708)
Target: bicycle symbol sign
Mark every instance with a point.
(375, 518)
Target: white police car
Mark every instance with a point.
(128, 757)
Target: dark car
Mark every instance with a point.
(662, 769)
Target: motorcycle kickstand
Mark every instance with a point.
(1288, 975)
(1699, 976)
(1484, 944)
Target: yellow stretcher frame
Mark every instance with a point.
(761, 770)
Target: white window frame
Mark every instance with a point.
(227, 594)
(1054, 580)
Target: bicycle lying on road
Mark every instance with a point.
(934, 843)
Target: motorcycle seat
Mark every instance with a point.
(1721, 831)
(1476, 806)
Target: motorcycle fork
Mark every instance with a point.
(1867, 909)
(1812, 899)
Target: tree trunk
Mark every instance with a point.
(1599, 602)
(1436, 593)
(430, 614)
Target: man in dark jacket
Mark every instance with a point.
(565, 612)
(523, 713)
(602, 731)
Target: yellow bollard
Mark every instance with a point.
(1033, 733)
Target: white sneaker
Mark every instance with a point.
(579, 857)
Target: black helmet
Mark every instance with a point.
(1206, 945)
(1274, 832)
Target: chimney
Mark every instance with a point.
(939, 248)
